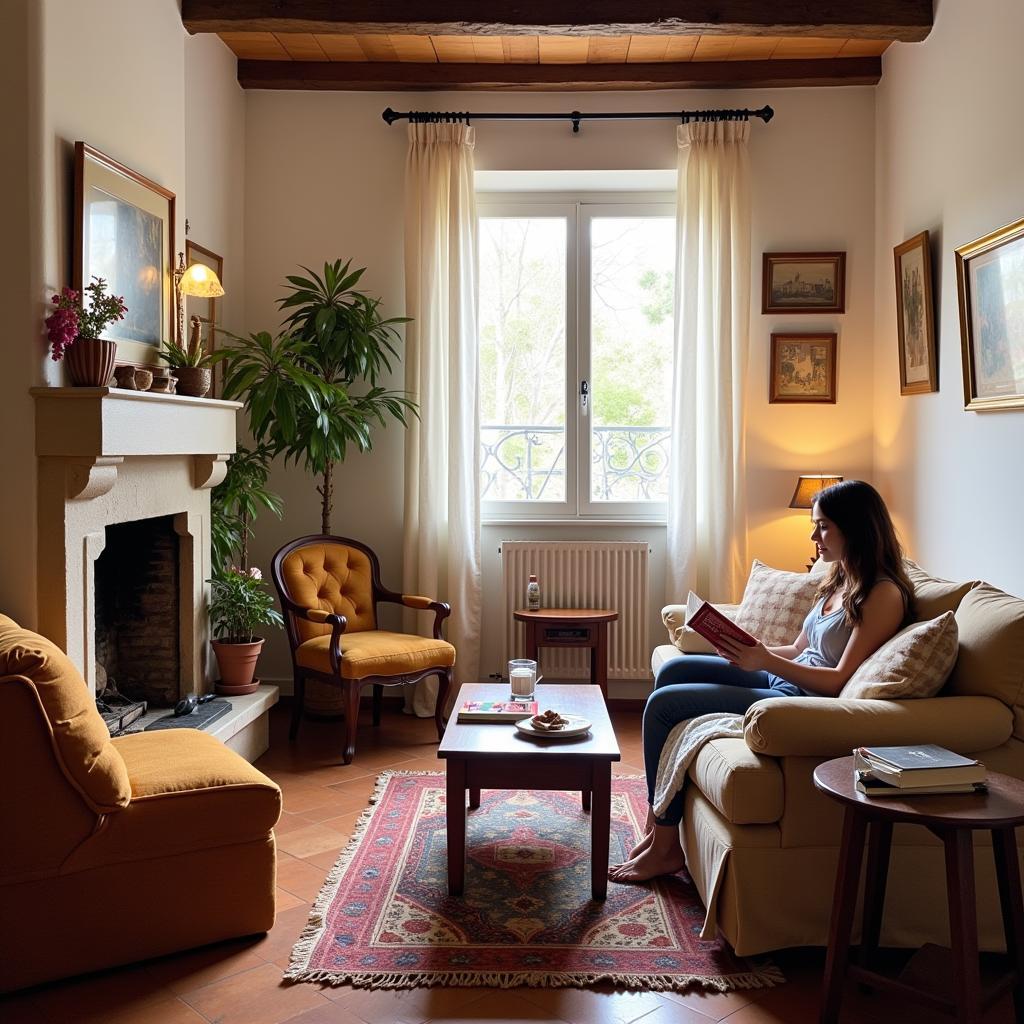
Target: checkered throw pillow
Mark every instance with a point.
(775, 603)
(916, 662)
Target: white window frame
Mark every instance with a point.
(579, 209)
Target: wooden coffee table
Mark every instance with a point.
(495, 755)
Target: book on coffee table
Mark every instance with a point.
(496, 710)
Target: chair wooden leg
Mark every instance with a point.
(378, 697)
(444, 685)
(351, 718)
(298, 699)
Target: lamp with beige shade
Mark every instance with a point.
(807, 489)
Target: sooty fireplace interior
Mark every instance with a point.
(137, 588)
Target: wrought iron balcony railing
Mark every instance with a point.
(527, 463)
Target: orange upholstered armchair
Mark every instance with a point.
(117, 850)
(330, 588)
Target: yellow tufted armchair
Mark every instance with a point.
(330, 588)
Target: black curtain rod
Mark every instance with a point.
(435, 116)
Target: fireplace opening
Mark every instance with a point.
(137, 595)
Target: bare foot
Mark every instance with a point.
(645, 842)
(652, 863)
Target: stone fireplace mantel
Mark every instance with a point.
(108, 456)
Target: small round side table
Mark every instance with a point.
(570, 627)
(952, 817)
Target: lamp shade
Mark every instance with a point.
(807, 488)
(200, 281)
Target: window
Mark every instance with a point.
(576, 325)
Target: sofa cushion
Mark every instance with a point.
(916, 662)
(933, 596)
(87, 757)
(991, 661)
(687, 640)
(745, 787)
(775, 603)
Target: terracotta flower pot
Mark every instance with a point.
(90, 362)
(237, 664)
(193, 381)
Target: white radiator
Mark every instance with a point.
(581, 574)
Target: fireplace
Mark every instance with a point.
(136, 582)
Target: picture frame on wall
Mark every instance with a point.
(915, 316)
(205, 309)
(124, 233)
(803, 368)
(803, 282)
(990, 291)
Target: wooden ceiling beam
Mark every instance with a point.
(737, 74)
(905, 20)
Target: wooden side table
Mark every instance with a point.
(571, 627)
(952, 818)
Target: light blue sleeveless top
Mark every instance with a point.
(827, 637)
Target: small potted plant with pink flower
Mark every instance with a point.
(74, 331)
(239, 605)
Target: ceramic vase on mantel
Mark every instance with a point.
(237, 664)
(90, 362)
(193, 381)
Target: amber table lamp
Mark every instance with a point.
(807, 488)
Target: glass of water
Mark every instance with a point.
(522, 677)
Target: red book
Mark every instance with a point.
(713, 625)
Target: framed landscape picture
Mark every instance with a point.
(990, 289)
(804, 282)
(124, 233)
(915, 319)
(803, 368)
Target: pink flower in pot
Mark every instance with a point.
(239, 605)
(74, 331)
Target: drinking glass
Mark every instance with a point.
(522, 678)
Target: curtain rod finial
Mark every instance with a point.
(389, 116)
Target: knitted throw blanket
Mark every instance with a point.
(683, 745)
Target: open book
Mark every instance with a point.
(706, 619)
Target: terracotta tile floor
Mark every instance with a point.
(239, 982)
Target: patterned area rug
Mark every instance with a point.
(384, 918)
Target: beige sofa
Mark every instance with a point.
(762, 843)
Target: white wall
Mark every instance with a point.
(949, 153)
(114, 75)
(324, 178)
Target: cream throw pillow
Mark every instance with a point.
(775, 603)
(916, 662)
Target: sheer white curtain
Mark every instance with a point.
(441, 545)
(707, 495)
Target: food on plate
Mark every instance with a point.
(549, 721)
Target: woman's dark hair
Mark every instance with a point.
(872, 551)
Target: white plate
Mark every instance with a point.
(576, 727)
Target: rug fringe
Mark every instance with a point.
(766, 975)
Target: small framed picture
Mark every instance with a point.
(915, 319)
(804, 282)
(803, 368)
(990, 289)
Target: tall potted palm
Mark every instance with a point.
(314, 390)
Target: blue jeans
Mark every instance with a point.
(692, 685)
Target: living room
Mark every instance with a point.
(276, 178)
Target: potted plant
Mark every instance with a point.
(74, 333)
(189, 363)
(235, 503)
(239, 605)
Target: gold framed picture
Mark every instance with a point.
(803, 282)
(124, 233)
(803, 368)
(915, 316)
(990, 290)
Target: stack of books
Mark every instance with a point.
(915, 771)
